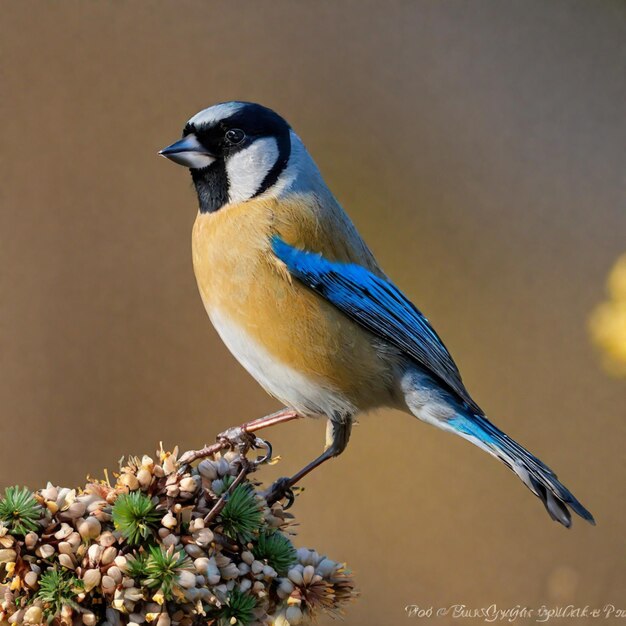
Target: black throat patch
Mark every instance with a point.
(211, 186)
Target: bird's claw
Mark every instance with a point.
(262, 443)
(239, 438)
(236, 437)
(282, 488)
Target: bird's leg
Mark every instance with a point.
(337, 436)
(242, 436)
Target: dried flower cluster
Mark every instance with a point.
(166, 544)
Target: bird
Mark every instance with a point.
(300, 301)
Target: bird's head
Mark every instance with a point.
(235, 151)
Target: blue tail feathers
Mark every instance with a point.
(535, 474)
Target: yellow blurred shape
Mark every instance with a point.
(607, 323)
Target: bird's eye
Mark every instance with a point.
(235, 136)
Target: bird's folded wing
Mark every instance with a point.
(377, 305)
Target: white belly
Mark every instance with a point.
(297, 391)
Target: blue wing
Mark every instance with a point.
(380, 307)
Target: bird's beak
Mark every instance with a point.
(188, 152)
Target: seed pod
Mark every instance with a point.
(223, 467)
(8, 556)
(308, 557)
(108, 584)
(132, 594)
(63, 532)
(169, 521)
(144, 476)
(326, 567)
(201, 564)
(169, 464)
(295, 575)
(44, 551)
(50, 492)
(204, 537)
(91, 579)
(33, 615)
(31, 580)
(188, 484)
(307, 574)
(106, 539)
(108, 556)
(207, 469)
(285, 588)
(96, 504)
(130, 481)
(65, 548)
(30, 540)
(115, 573)
(66, 561)
(74, 511)
(89, 528)
(172, 491)
(95, 553)
(121, 562)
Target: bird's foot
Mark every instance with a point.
(280, 489)
(236, 438)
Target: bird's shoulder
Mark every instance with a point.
(243, 232)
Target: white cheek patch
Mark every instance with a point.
(247, 168)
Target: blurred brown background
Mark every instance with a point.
(479, 147)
